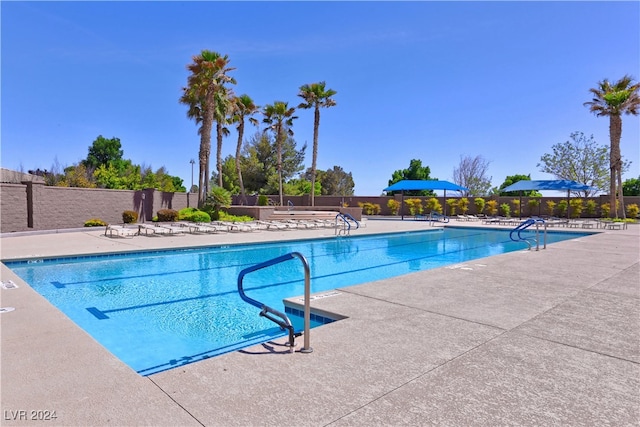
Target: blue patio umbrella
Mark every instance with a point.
(418, 185)
(557, 185)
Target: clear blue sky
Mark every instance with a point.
(427, 80)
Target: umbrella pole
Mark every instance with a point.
(444, 203)
(402, 205)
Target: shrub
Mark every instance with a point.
(590, 207)
(632, 210)
(479, 202)
(576, 208)
(433, 205)
(452, 203)
(168, 215)
(492, 207)
(217, 199)
(605, 208)
(200, 216)
(414, 205)
(263, 200)
(506, 209)
(370, 208)
(193, 215)
(394, 206)
(129, 217)
(186, 214)
(533, 205)
(551, 207)
(463, 205)
(516, 207)
(562, 208)
(225, 216)
(95, 222)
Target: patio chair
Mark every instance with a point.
(120, 231)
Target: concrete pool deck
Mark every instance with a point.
(526, 338)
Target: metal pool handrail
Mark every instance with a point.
(266, 311)
(526, 224)
(346, 220)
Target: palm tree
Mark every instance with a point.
(222, 116)
(613, 100)
(315, 96)
(279, 119)
(243, 108)
(203, 93)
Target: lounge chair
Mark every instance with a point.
(120, 231)
(160, 230)
(301, 223)
(199, 228)
(274, 225)
(236, 226)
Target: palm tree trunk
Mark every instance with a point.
(243, 196)
(623, 213)
(615, 161)
(316, 125)
(205, 153)
(219, 151)
(279, 148)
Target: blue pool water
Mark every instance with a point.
(157, 310)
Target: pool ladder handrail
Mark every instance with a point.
(346, 223)
(526, 224)
(437, 217)
(266, 311)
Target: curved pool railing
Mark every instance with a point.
(346, 221)
(435, 216)
(516, 235)
(269, 312)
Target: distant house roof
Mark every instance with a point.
(558, 184)
(9, 176)
(415, 184)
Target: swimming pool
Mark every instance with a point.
(156, 310)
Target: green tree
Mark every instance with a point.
(631, 187)
(206, 95)
(297, 187)
(415, 172)
(471, 173)
(315, 96)
(76, 176)
(614, 100)
(243, 109)
(336, 182)
(107, 176)
(580, 159)
(279, 119)
(230, 181)
(260, 163)
(104, 152)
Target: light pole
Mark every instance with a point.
(190, 188)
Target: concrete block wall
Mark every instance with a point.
(13, 207)
(33, 206)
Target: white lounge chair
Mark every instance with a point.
(236, 226)
(199, 228)
(120, 231)
(159, 230)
